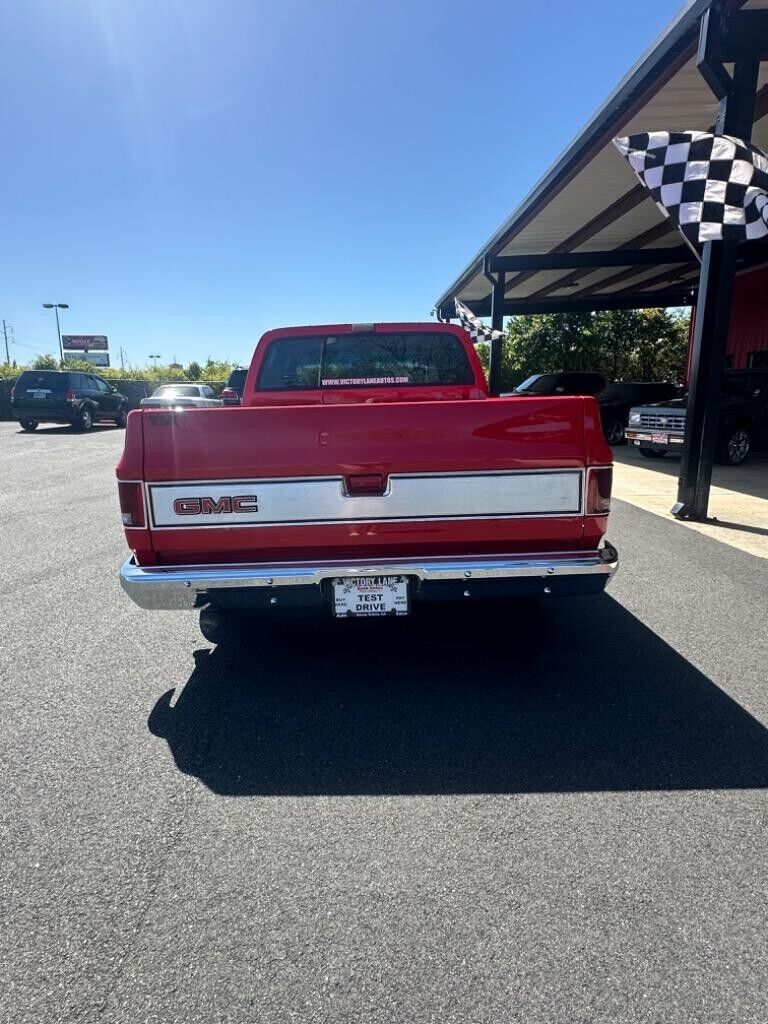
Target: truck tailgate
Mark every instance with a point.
(334, 481)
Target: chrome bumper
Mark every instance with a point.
(180, 587)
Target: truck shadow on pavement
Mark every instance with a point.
(577, 696)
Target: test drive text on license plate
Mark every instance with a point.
(370, 595)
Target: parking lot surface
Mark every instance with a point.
(738, 501)
(517, 814)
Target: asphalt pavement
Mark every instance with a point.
(523, 814)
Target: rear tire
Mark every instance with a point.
(651, 453)
(218, 625)
(614, 432)
(121, 419)
(28, 425)
(734, 446)
(85, 419)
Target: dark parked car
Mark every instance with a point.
(742, 425)
(618, 398)
(562, 382)
(233, 392)
(66, 396)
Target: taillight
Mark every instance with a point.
(131, 503)
(70, 395)
(599, 483)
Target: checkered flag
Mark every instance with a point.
(475, 327)
(712, 187)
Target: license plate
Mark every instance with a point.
(659, 438)
(370, 595)
(38, 393)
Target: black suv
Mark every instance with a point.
(66, 396)
(233, 392)
(561, 382)
(615, 400)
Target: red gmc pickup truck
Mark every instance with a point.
(367, 471)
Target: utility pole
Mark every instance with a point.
(122, 359)
(5, 335)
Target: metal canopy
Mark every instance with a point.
(590, 202)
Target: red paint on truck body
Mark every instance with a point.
(368, 432)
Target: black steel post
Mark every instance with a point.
(712, 320)
(497, 323)
(710, 334)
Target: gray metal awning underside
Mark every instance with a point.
(590, 201)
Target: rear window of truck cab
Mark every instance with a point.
(364, 360)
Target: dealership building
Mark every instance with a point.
(589, 236)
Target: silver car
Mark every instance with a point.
(182, 396)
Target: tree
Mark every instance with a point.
(649, 344)
(46, 363)
(194, 372)
(82, 364)
(215, 369)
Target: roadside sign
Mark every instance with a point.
(92, 342)
(94, 358)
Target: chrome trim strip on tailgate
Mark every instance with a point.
(323, 500)
(179, 587)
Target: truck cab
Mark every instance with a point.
(364, 363)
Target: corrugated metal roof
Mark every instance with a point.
(663, 91)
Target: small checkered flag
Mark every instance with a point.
(475, 327)
(712, 187)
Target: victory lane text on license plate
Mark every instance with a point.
(370, 595)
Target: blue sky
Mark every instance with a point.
(189, 173)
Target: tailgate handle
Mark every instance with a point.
(360, 485)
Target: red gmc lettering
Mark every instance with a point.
(215, 506)
(245, 503)
(187, 506)
(210, 507)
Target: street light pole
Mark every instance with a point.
(58, 331)
(56, 306)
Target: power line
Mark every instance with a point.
(33, 348)
(30, 337)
